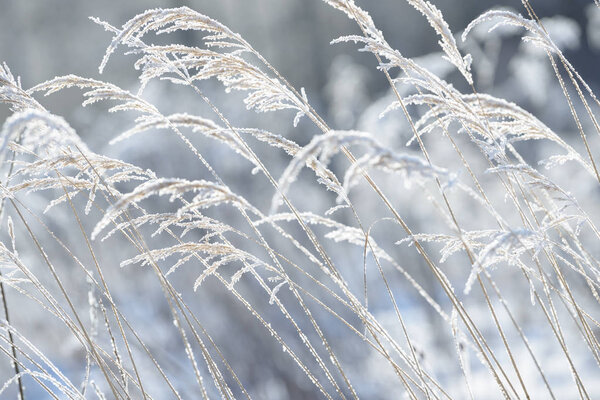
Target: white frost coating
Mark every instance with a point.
(38, 131)
(505, 246)
(275, 291)
(447, 41)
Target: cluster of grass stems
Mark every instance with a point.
(504, 231)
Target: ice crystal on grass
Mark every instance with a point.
(447, 41)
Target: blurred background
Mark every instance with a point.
(44, 39)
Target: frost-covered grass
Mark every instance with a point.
(462, 265)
